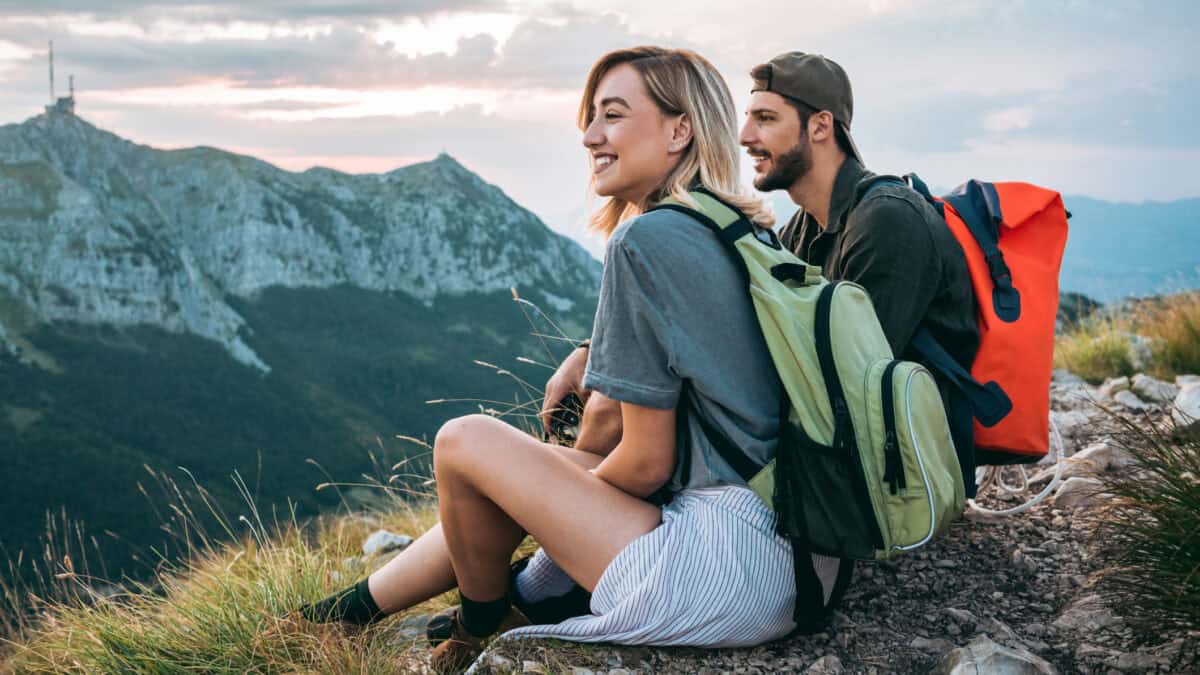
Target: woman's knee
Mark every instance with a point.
(460, 437)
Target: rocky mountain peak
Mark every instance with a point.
(97, 229)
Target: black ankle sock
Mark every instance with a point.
(352, 605)
(483, 618)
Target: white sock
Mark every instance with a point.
(542, 579)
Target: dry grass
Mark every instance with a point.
(1150, 532)
(1098, 347)
(222, 606)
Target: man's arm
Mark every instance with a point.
(889, 251)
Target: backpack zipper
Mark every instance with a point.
(843, 424)
(893, 473)
(921, 468)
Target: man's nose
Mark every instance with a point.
(746, 136)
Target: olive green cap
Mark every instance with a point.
(815, 81)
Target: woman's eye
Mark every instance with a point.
(611, 115)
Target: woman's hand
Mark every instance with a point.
(568, 378)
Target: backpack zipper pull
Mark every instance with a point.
(893, 472)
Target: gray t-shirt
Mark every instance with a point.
(674, 307)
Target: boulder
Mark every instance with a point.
(1186, 411)
(1149, 389)
(1130, 400)
(1112, 385)
(1065, 378)
(982, 655)
(1182, 381)
(382, 541)
(1078, 491)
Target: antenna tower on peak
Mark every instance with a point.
(64, 105)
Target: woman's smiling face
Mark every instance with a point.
(631, 141)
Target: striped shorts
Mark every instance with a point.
(713, 574)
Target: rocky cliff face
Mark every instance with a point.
(97, 229)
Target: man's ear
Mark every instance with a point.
(820, 126)
(681, 134)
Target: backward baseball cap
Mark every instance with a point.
(815, 81)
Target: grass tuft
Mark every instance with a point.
(1150, 531)
(1099, 346)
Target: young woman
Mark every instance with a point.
(674, 327)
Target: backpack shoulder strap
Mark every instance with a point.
(729, 225)
(978, 205)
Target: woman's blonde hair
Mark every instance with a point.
(681, 82)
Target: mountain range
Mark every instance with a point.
(1115, 249)
(208, 311)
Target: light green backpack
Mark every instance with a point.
(866, 467)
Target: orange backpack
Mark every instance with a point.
(1013, 235)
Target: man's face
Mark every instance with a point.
(775, 142)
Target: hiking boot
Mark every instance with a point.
(459, 648)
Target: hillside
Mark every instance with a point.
(202, 310)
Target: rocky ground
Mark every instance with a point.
(995, 594)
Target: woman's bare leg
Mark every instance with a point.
(423, 570)
(495, 483)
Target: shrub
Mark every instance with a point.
(1173, 323)
(1150, 532)
(1095, 349)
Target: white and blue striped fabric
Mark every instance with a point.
(713, 574)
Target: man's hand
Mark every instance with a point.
(600, 429)
(568, 378)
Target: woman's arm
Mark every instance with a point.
(645, 457)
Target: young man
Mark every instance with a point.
(880, 235)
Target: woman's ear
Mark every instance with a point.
(681, 133)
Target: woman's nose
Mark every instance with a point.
(592, 136)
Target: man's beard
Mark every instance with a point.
(789, 168)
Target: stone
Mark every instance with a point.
(1112, 385)
(1150, 389)
(1070, 423)
(382, 541)
(534, 667)
(998, 629)
(1141, 352)
(933, 646)
(1071, 468)
(826, 665)
(962, 617)
(412, 627)
(982, 655)
(1106, 454)
(580, 670)
(1076, 492)
(1065, 378)
(1182, 381)
(1087, 614)
(1135, 662)
(1130, 400)
(1186, 409)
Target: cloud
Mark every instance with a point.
(1009, 119)
(255, 10)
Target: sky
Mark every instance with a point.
(1091, 98)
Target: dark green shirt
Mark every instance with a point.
(899, 248)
